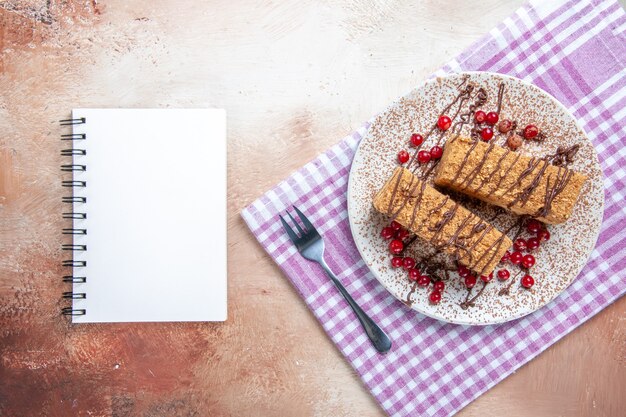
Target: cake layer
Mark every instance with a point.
(441, 221)
(521, 184)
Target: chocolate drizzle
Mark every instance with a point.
(439, 207)
(502, 177)
(495, 170)
(481, 98)
(484, 233)
(559, 185)
(430, 169)
(563, 155)
(477, 228)
(453, 241)
(465, 159)
(472, 175)
(494, 247)
(527, 191)
(418, 203)
(532, 163)
(445, 219)
(470, 302)
(507, 290)
(464, 96)
(500, 95)
(408, 300)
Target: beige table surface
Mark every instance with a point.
(295, 76)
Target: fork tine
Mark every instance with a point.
(288, 229)
(306, 221)
(297, 224)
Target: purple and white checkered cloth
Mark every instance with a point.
(576, 50)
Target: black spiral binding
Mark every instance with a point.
(75, 185)
(71, 122)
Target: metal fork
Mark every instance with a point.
(311, 246)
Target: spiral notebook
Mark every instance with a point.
(146, 233)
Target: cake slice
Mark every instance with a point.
(436, 218)
(521, 184)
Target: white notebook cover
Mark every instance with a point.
(156, 215)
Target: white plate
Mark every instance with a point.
(558, 261)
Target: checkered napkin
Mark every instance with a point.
(576, 50)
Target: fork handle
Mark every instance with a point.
(379, 338)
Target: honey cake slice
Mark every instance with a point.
(438, 219)
(523, 185)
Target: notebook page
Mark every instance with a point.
(156, 215)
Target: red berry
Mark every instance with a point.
(531, 131)
(436, 152)
(423, 157)
(505, 257)
(543, 234)
(423, 281)
(480, 116)
(387, 232)
(463, 271)
(519, 245)
(470, 281)
(534, 226)
(516, 258)
(395, 225)
(439, 286)
(435, 297)
(396, 261)
(408, 263)
(414, 275)
(505, 126)
(504, 274)
(532, 243)
(528, 261)
(403, 156)
(396, 246)
(514, 141)
(486, 278)
(416, 139)
(527, 281)
(444, 122)
(402, 234)
(492, 118)
(486, 133)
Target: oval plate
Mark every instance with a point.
(558, 261)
